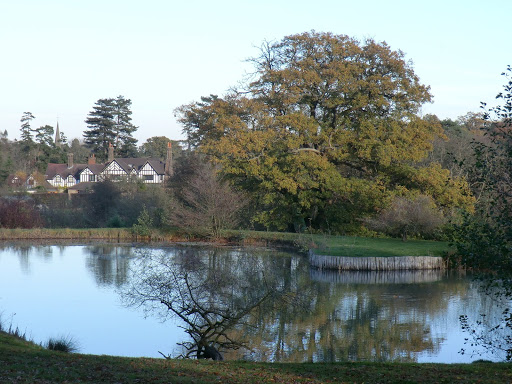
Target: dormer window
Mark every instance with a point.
(70, 179)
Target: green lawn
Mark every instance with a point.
(347, 245)
(23, 363)
(375, 247)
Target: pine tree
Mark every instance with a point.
(110, 122)
(26, 130)
(125, 143)
(101, 128)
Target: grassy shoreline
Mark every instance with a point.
(24, 362)
(351, 246)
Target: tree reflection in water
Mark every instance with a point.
(109, 263)
(211, 291)
(339, 322)
(273, 307)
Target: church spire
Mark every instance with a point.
(57, 136)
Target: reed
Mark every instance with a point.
(111, 234)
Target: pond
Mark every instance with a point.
(96, 294)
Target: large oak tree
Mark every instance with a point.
(325, 131)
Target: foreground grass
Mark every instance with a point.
(24, 362)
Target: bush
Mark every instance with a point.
(143, 225)
(408, 216)
(19, 213)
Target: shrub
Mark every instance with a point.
(19, 213)
(144, 224)
(408, 216)
(62, 344)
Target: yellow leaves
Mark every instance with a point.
(447, 191)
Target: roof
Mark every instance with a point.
(94, 168)
(63, 171)
(15, 179)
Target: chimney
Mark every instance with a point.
(168, 160)
(110, 152)
(91, 160)
(70, 160)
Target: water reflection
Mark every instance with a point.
(307, 315)
(340, 322)
(376, 277)
(306, 318)
(211, 290)
(109, 264)
(24, 251)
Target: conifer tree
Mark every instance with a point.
(110, 122)
(26, 130)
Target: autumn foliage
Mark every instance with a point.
(326, 131)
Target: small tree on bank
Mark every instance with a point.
(204, 203)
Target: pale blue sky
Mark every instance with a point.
(59, 56)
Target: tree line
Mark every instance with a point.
(325, 135)
(109, 122)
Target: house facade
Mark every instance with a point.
(150, 171)
(21, 182)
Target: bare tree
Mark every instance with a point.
(204, 203)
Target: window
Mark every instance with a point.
(148, 177)
(92, 178)
(70, 179)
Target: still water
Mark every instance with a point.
(95, 294)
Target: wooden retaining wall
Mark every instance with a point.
(396, 263)
(376, 277)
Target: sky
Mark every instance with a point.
(58, 57)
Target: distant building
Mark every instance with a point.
(20, 182)
(151, 171)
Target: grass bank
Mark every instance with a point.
(350, 246)
(324, 244)
(23, 362)
(111, 234)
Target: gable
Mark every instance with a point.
(85, 171)
(113, 168)
(147, 169)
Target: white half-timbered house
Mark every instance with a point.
(151, 171)
(90, 173)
